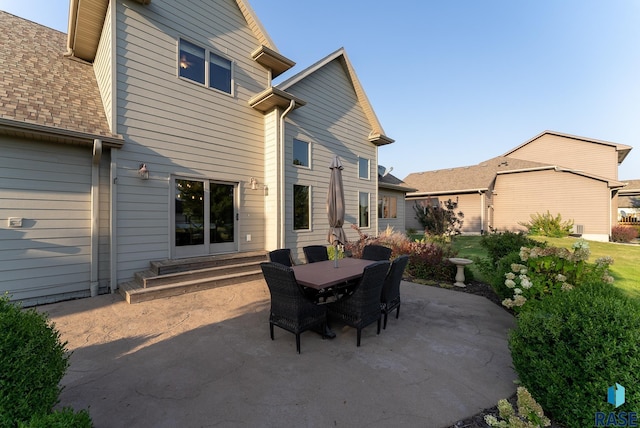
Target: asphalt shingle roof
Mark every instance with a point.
(39, 85)
(478, 176)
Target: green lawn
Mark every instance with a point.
(626, 257)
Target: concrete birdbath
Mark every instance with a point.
(460, 263)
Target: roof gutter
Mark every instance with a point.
(445, 192)
(73, 25)
(43, 132)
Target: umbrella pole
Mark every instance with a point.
(335, 255)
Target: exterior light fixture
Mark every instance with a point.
(143, 171)
(254, 183)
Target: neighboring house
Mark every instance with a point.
(629, 203)
(564, 174)
(391, 196)
(153, 131)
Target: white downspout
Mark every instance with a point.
(281, 186)
(95, 215)
(113, 238)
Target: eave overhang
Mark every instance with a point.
(55, 135)
(379, 139)
(272, 60)
(418, 195)
(273, 97)
(396, 187)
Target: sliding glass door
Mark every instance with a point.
(205, 216)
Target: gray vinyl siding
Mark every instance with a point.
(102, 67)
(104, 246)
(49, 187)
(588, 157)
(583, 200)
(334, 123)
(181, 128)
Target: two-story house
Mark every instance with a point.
(152, 131)
(573, 176)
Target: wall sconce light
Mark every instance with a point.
(143, 171)
(254, 183)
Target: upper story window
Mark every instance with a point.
(363, 168)
(301, 153)
(200, 65)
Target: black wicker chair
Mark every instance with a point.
(390, 298)
(376, 252)
(363, 306)
(315, 253)
(282, 256)
(291, 310)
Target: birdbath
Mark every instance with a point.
(460, 263)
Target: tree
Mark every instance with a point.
(439, 218)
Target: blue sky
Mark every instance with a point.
(456, 82)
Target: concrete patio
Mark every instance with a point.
(205, 359)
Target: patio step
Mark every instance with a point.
(167, 278)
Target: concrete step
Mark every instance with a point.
(167, 278)
(133, 292)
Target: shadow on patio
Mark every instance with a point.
(205, 359)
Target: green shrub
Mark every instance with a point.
(65, 418)
(499, 244)
(570, 348)
(548, 225)
(545, 271)
(496, 276)
(32, 363)
(623, 233)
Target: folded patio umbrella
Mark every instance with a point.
(335, 204)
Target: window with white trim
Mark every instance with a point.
(363, 168)
(301, 207)
(203, 66)
(363, 209)
(301, 153)
(388, 207)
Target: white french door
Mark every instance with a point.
(204, 217)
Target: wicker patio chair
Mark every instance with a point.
(390, 298)
(282, 256)
(315, 253)
(376, 252)
(363, 306)
(291, 310)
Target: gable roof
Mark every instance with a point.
(622, 149)
(377, 135)
(86, 19)
(632, 188)
(43, 94)
(466, 179)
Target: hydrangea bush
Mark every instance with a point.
(545, 271)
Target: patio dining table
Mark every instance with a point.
(324, 275)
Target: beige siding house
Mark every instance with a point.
(629, 203)
(152, 130)
(391, 196)
(560, 173)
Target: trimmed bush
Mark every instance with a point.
(32, 363)
(623, 233)
(570, 348)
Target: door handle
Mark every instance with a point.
(237, 216)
